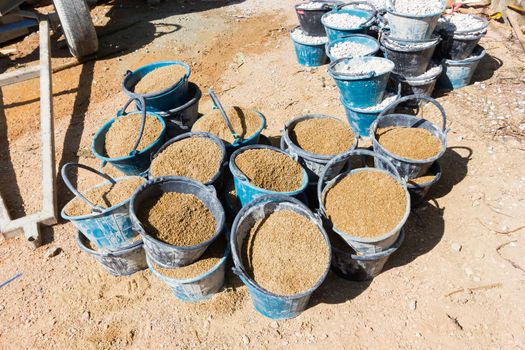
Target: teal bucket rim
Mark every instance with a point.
(390, 10)
(238, 267)
(238, 174)
(341, 76)
(105, 128)
(362, 110)
(329, 45)
(303, 43)
(105, 211)
(366, 24)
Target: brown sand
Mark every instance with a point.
(422, 179)
(270, 170)
(232, 196)
(322, 136)
(198, 158)
(123, 133)
(160, 79)
(285, 253)
(105, 196)
(411, 143)
(245, 122)
(366, 204)
(178, 219)
(206, 262)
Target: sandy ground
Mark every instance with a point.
(430, 294)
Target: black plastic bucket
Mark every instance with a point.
(459, 45)
(418, 192)
(310, 19)
(423, 85)
(411, 58)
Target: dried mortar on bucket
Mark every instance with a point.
(349, 49)
(343, 21)
(430, 73)
(387, 100)
(418, 7)
(459, 22)
(270, 170)
(360, 67)
(160, 79)
(197, 158)
(179, 219)
(211, 257)
(285, 253)
(410, 143)
(245, 122)
(366, 204)
(301, 36)
(122, 134)
(325, 136)
(105, 196)
(404, 45)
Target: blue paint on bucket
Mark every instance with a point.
(334, 33)
(309, 55)
(367, 40)
(458, 74)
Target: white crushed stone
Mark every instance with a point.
(349, 49)
(343, 21)
(379, 5)
(418, 7)
(387, 100)
(359, 66)
(403, 45)
(302, 37)
(460, 22)
(432, 71)
(313, 5)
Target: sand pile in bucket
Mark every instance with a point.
(323, 136)
(160, 79)
(410, 143)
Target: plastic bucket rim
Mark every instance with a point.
(196, 98)
(390, 10)
(255, 134)
(375, 239)
(431, 43)
(105, 128)
(289, 126)
(484, 26)
(235, 170)
(329, 45)
(437, 177)
(160, 92)
(343, 76)
(418, 82)
(107, 210)
(303, 43)
(377, 255)
(237, 261)
(220, 224)
(106, 253)
(469, 60)
(368, 18)
(329, 3)
(191, 134)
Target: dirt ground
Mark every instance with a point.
(457, 282)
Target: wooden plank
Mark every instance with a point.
(516, 27)
(19, 75)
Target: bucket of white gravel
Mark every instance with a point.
(413, 19)
(355, 45)
(339, 23)
(310, 50)
(461, 33)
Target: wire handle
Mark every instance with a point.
(218, 104)
(123, 112)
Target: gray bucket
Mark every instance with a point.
(417, 85)
(459, 45)
(411, 27)
(362, 245)
(217, 179)
(408, 168)
(459, 73)
(313, 163)
(122, 262)
(198, 288)
(164, 254)
(351, 266)
(418, 192)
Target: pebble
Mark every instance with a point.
(302, 37)
(456, 247)
(245, 339)
(274, 325)
(349, 49)
(358, 66)
(53, 251)
(343, 21)
(418, 7)
(468, 271)
(412, 304)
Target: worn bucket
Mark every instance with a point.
(313, 163)
(217, 179)
(107, 228)
(136, 162)
(164, 254)
(418, 192)
(458, 74)
(310, 19)
(349, 265)
(361, 91)
(247, 192)
(367, 40)
(122, 262)
(158, 101)
(269, 304)
(334, 33)
(411, 58)
(408, 168)
(422, 85)
(411, 27)
(309, 55)
(198, 288)
(459, 45)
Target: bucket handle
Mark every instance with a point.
(218, 104)
(418, 97)
(123, 112)
(64, 172)
(346, 156)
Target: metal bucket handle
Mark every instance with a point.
(347, 156)
(123, 112)
(218, 104)
(69, 185)
(418, 97)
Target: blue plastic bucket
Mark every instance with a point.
(363, 246)
(198, 288)
(361, 91)
(408, 168)
(107, 228)
(367, 40)
(164, 100)
(247, 192)
(335, 33)
(269, 304)
(309, 55)
(137, 162)
(411, 27)
(164, 254)
(458, 74)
